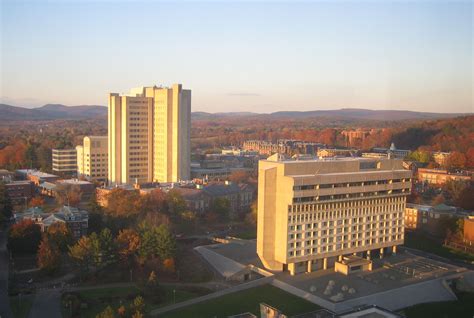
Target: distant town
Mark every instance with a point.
(155, 219)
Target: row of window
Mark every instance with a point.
(348, 184)
(348, 195)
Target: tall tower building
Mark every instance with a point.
(150, 135)
(338, 212)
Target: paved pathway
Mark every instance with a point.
(47, 303)
(5, 310)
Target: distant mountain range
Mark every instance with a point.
(58, 111)
(51, 112)
(344, 113)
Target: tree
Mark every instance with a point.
(121, 311)
(24, 237)
(439, 199)
(221, 206)
(456, 160)
(176, 204)
(138, 305)
(107, 246)
(152, 289)
(128, 243)
(156, 241)
(59, 234)
(5, 203)
(455, 188)
(82, 253)
(37, 202)
(420, 156)
(48, 257)
(107, 313)
(67, 194)
(169, 265)
(123, 203)
(251, 217)
(466, 198)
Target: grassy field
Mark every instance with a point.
(462, 308)
(98, 299)
(245, 301)
(21, 306)
(423, 243)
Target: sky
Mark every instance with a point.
(254, 56)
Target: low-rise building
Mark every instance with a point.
(76, 220)
(6, 176)
(240, 196)
(428, 219)
(282, 146)
(439, 176)
(196, 200)
(36, 176)
(64, 161)
(441, 158)
(20, 192)
(50, 189)
(335, 152)
(393, 152)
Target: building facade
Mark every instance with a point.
(440, 177)
(20, 192)
(312, 213)
(149, 135)
(92, 158)
(64, 161)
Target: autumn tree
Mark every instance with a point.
(37, 201)
(24, 237)
(123, 203)
(456, 160)
(128, 243)
(49, 256)
(107, 313)
(439, 199)
(59, 234)
(137, 306)
(251, 217)
(68, 194)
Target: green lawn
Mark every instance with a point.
(462, 308)
(424, 243)
(98, 299)
(21, 306)
(245, 301)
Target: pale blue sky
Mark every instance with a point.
(242, 56)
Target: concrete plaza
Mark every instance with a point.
(396, 281)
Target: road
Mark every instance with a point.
(5, 310)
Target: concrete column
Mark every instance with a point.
(381, 252)
(325, 263)
(368, 255)
(394, 249)
(310, 267)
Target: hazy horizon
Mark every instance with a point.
(242, 56)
